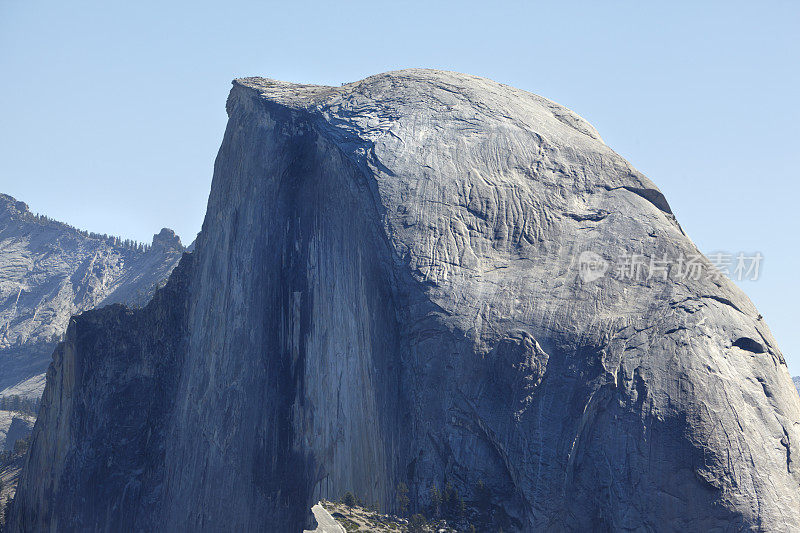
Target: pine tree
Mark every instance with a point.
(436, 500)
(450, 502)
(484, 502)
(350, 501)
(402, 498)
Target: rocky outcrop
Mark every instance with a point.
(332, 517)
(50, 271)
(416, 278)
(116, 391)
(14, 425)
(325, 522)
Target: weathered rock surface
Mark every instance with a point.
(50, 271)
(387, 288)
(14, 425)
(10, 466)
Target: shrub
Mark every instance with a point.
(417, 524)
(349, 500)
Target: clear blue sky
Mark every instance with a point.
(111, 113)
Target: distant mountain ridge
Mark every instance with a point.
(50, 271)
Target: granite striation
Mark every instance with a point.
(387, 288)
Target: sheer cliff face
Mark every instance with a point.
(50, 271)
(387, 288)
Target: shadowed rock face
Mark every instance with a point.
(388, 288)
(48, 272)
